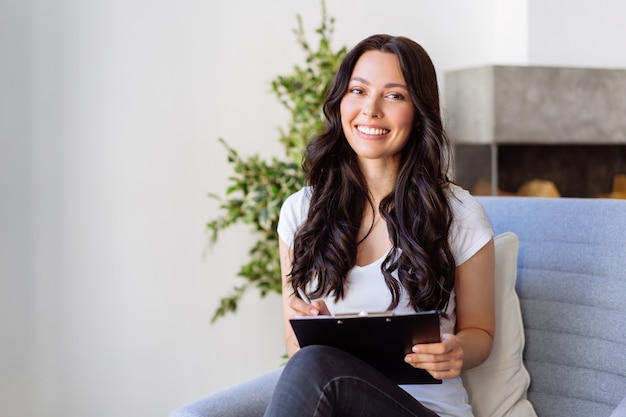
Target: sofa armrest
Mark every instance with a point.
(247, 399)
(620, 411)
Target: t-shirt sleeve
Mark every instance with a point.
(292, 214)
(470, 229)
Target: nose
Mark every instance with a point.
(371, 108)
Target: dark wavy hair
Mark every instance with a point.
(417, 211)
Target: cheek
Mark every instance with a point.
(406, 119)
(346, 112)
(348, 108)
(343, 109)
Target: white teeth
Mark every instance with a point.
(372, 131)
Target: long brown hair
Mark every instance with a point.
(417, 211)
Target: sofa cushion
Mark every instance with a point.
(497, 387)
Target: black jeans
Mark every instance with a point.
(320, 381)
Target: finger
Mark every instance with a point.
(430, 348)
(426, 361)
(321, 307)
(300, 307)
(448, 343)
(438, 369)
(455, 354)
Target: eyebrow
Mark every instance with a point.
(390, 85)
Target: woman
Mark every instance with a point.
(380, 227)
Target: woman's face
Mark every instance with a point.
(376, 111)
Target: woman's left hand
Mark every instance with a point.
(442, 360)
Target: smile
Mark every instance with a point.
(371, 130)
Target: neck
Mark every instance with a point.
(380, 183)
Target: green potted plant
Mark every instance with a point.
(257, 187)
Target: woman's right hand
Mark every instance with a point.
(302, 308)
(298, 307)
(292, 305)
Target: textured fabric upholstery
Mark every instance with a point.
(620, 411)
(572, 289)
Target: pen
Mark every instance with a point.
(303, 296)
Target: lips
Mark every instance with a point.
(372, 131)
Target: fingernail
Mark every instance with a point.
(314, 311)
(415, 349)
(407, 359)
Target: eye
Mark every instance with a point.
(395, 96)
(356, 90)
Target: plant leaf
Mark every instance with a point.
(257, 188)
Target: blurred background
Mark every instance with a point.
(109, 117)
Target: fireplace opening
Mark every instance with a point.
(576, 170)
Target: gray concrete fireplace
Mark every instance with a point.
(512, 124)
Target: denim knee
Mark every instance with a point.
(318, 362)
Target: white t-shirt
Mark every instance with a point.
(366, 289)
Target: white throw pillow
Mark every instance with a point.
(497, 388)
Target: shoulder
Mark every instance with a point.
(293, 213)
(463, 204)
(297, 203)
(470, 229)
(303, 195)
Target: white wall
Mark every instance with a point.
(109, 117)
(577, 33)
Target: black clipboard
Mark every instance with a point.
(380, 340)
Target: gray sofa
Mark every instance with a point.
(571, 285)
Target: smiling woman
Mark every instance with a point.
(377, 227)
